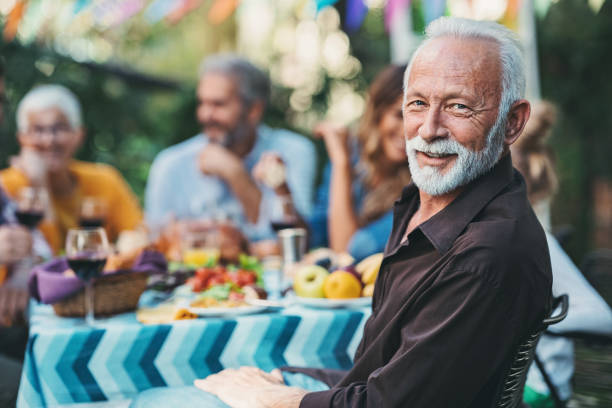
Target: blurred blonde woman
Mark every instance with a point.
(365, 175)
(534, 158)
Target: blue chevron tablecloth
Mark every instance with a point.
(68, 363)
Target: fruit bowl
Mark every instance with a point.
(325, 303)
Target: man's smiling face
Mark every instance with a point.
(453, 133)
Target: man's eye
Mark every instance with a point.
(459, 106)
(419, 103)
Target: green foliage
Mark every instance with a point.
(575, 65)
(128, 119)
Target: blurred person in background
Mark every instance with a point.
(588, 312)
(209, 175)
(353, 206)
(16, 244)
(50, 130)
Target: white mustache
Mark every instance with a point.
(438, 146)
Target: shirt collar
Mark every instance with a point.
(444, 227)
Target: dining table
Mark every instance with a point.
(68, 363)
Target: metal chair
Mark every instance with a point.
(511, 393)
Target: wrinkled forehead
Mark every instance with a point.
(471, 62)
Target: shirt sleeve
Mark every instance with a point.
(371, 238)
(300, 157)
(317, 222)
(444, 354)
(587, 310)
(157, 195)
(125, 211)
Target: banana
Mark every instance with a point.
(369, 267)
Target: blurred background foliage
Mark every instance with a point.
(132, 110)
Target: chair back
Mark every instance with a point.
(511, 393)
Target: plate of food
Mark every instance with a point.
(220, 290)
(351, 286)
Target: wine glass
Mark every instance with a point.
(92, 212)
(86, 251)
(31, 205)
(283, 214)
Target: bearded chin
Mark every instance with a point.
(468, 166)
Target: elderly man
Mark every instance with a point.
(50, 131)
(209, 175)
(466, 273)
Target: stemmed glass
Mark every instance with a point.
(92, 212)
(31, 205)
(86, 251)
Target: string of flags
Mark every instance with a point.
(109, 13)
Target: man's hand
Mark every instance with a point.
(216, 160)
(13, 303)
(270, 170)
(15, 243)
(250, 387)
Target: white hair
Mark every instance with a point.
(510, 52)
(47, 97)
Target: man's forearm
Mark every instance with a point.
(247, 193)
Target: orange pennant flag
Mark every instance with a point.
(221, 10)
(511, 16)
(13, 19)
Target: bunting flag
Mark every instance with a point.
(356, 11)
(80, 5)
(13, 19)
(321, 4)
(433, 9)
(221, 10)
(159, 9)
(511, 15)
(392, 8)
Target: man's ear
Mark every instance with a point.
(517, 118)
(255, 113)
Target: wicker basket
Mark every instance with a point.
(113, 294)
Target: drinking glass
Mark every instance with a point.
(86, 251)
(201, 247)
(31, 205)
(283, 215)
(92, 212)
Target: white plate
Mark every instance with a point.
(226, 311)
(324, 303)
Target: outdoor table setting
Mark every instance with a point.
(72, 360)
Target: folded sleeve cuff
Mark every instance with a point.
(319, 399)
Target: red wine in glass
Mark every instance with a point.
(91, 222)
(86, 266)
(29, 219)
(278, 225)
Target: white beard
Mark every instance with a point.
(468, 165)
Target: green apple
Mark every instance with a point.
(309, 280)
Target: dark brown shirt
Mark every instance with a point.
(451, 303)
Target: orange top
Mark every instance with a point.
(93, 180)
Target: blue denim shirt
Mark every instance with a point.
(365, 241)
(176, 186)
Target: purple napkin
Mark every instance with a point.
(48, 284)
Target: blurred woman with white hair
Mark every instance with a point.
(49, 131)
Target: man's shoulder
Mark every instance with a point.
(505, 243)
(179, 154)
(285, 138)
(96, 173)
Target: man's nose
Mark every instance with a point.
(432, 127)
